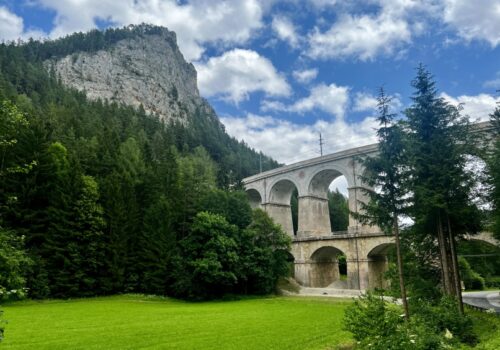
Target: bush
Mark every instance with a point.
(444, 316)
(493, 282)
(471, 279)
(14, 263)
(378, 325)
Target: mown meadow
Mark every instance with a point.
(142, 322)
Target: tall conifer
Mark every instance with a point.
(438, 148)
(386, 171)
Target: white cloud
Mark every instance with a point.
(285, 30)
(362, 36)
(477, 107)
(364, 102)
(12, 27)
(331, 99)
(237, 73)
(288, 142)
(493, 83)
(196, 23)
(305, 76)
(323, 3)
(479, 19)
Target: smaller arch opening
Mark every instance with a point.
(380, 258)
(329, 268)
(338, 204)
(283, 196)
(254, 198)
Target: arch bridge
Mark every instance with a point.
(315, 248)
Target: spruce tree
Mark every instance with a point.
(438, 148)
(493, 163)
(387, 172)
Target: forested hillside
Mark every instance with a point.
(98, 197)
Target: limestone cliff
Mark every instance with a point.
(145, 69)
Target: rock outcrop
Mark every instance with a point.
(147, 70)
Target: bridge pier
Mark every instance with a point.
(282, 215)
(314, 218)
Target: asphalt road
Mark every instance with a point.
(484, 300)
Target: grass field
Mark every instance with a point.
(141, 322)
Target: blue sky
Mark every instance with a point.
(280, 72)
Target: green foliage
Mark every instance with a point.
(264, 254)
(14, 264)
(210, 258)
(492, 282)
(104, 193)
(471, 279)
(387, 172)
(376, 324)
(234, 206)
(483, 257)
(339, 211)
(493, 169)
(441, 316)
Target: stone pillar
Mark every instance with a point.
(314, 217)
(282, 215)
(377, 267)
(301, 273)
(357, 274)
(356, 195)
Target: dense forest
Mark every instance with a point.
(100, 198)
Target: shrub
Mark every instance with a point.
(493, 282)
(443, 317)
(379, 325)
(472, 280)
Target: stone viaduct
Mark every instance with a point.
(315, 248)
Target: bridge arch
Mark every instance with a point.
(319, 180)
(378, 264)
(278, 204)
(254, 197)
(325, 270)
(281, 190)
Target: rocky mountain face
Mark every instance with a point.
(147, 70)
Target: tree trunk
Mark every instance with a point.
(444, 258)
(400, 268)
(456, 271)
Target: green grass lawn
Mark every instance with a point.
(141, 322)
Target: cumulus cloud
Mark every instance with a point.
(285, 30)
(477, 107)
(196, 22)
(366, 102)
(12, 27)
(493, 83)
(237, 73)
(289, 142)
(364, 36)
(305, 76)
(478, 19)
(331, 99)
